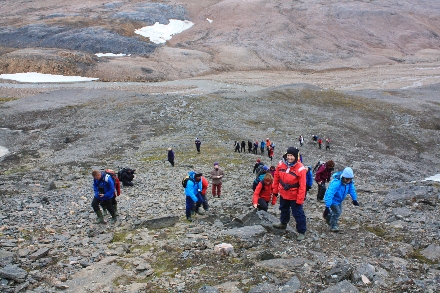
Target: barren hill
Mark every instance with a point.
(271, 35)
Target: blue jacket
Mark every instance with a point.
(107, 182)
(262, 144)
(193, 187)
(309, 177)
(170, 155)
(337, 191)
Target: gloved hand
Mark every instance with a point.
(355, 203)
(326, 212)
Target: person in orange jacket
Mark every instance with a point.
(263, 193)
(290, 182)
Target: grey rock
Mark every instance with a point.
(290, 264)
(432, 252)
(341, 287)
(40, 253)
(264, 288)
(103, 238)
(338, 273)
(364, 269)
(247, 232)
(6, 257)
(13, 272)
(292, 286)
(158, 223)
(207, 289)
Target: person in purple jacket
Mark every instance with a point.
(322, 176)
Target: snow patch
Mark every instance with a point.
(160, 33)
(111, 55)
(3, 151)
(433, 178)
(40, 77)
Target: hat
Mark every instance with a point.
(169, 149)
(347, 173)
(198, 173)
(216, 163)
(293, 151)
(265, 168)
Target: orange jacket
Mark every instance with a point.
(205, 184)
(264, 192)
(290, 182)
(117, 187)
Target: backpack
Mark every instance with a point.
(318, 165)
(185, 181)
(120, 172)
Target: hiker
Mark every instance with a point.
(270, 153)
(205, 184)
(290, 182)
(243, 146)
(272, 170)
(193, 193)
(237, 146)
(198, 144)
(104, 190)
(323, 175)
(263, 193)
(301, 140)
(255, 150)
(127, 176)
(320, 143)
(171, 156)
(327, 144)
(117, 182)
(268, 145)
(262, 145)
(309, 179)
(258, 164)
(216, 177)
(315, 138)
(249, 146)
(261, 172)
(341, 185)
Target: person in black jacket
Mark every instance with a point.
(127, 177)
(243, 146)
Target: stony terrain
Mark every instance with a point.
(382, 117)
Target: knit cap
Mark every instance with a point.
(293, 151)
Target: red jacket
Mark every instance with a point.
(290, 182)
(117, 187)
(265, 192)
(205, 184)
(323, 174)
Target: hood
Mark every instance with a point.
(191, 174)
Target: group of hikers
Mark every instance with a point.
(288, 182)
(254, 146)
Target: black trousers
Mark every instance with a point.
(321, 191)
(105, 203)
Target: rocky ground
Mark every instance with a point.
(49, 242)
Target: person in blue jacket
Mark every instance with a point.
(104, 188)
(309, 178)
(341, 185)
(193, 192)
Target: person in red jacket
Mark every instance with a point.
(205, 184)
(263, 194)
(323, 174)
(290, 182)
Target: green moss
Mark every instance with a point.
(418, 256)
(120, 237)
(7, 99)
(376, 230)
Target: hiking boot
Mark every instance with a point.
(335, 229)
(114, 218)
(100, 219)
(280, 226)
(301, 237)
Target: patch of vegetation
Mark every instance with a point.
(120, 237)
(7, 99)
(378, 231)
(418, 256)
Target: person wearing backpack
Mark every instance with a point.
(258, 164)
(263, 193)
(104, 191)
(320, 143)
(261, 172)
(309, 179)
(290, 183)
(270, 152)
(193, 189)
(341, 185)
(322, 176)
(117, 192)
(237, 146)
(301, 140)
